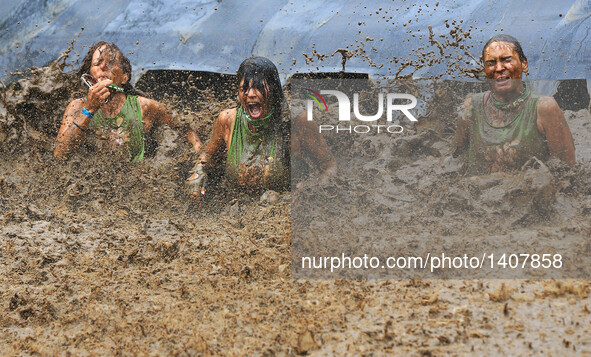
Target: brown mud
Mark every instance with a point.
(448, 49)
(103, 258)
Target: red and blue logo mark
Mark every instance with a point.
(317, 98)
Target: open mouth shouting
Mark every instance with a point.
(255, 109)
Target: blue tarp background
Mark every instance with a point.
(217, 35)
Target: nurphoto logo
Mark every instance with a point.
(392, 101)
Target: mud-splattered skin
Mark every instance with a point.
(305, 140)
(504, 69)
(95, 266)
(501, 65)
(106, 68)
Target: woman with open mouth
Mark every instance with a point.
(255, 138)
(506, 126)
(112, 115)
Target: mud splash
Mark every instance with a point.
(106, 258)
(433, 49)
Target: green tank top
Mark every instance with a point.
(257, 159)
(508, 147)
(126, 128)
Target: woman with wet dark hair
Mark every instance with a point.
(255, 138)
(503, 128)
(264, 77)
(114, 51)
(113, 117)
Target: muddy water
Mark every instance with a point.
(402, 195)
(106, 258)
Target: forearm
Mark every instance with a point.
(461, 139)
(214, 150)
(193, 139)
(208, 158)
(552, 124)
(70, 135)
(564, 149)
(459, 142)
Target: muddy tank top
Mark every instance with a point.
(123, 132)
(257, 160)
(505, 148)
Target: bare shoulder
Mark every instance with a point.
(549, 114)
(549, 111)
(148, 104)
(154, 112)
(547, 105)
(226, 117)
(144, 100)
(222, 131)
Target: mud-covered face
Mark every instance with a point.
(106, 64)
(253, 101)
(503, 67)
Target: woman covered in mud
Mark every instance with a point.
(505, 127)
(112, 113)
(254, 139)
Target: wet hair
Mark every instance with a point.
(265, 78)
(115, 52)
(509, 39)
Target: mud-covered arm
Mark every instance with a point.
(210, 157)
(77, 118)
(553, 126)
(461, 139)
(218, 142)
(156, 114)
(72, 130)
(307, 142)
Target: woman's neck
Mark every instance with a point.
(113, 104)
(510, 96)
